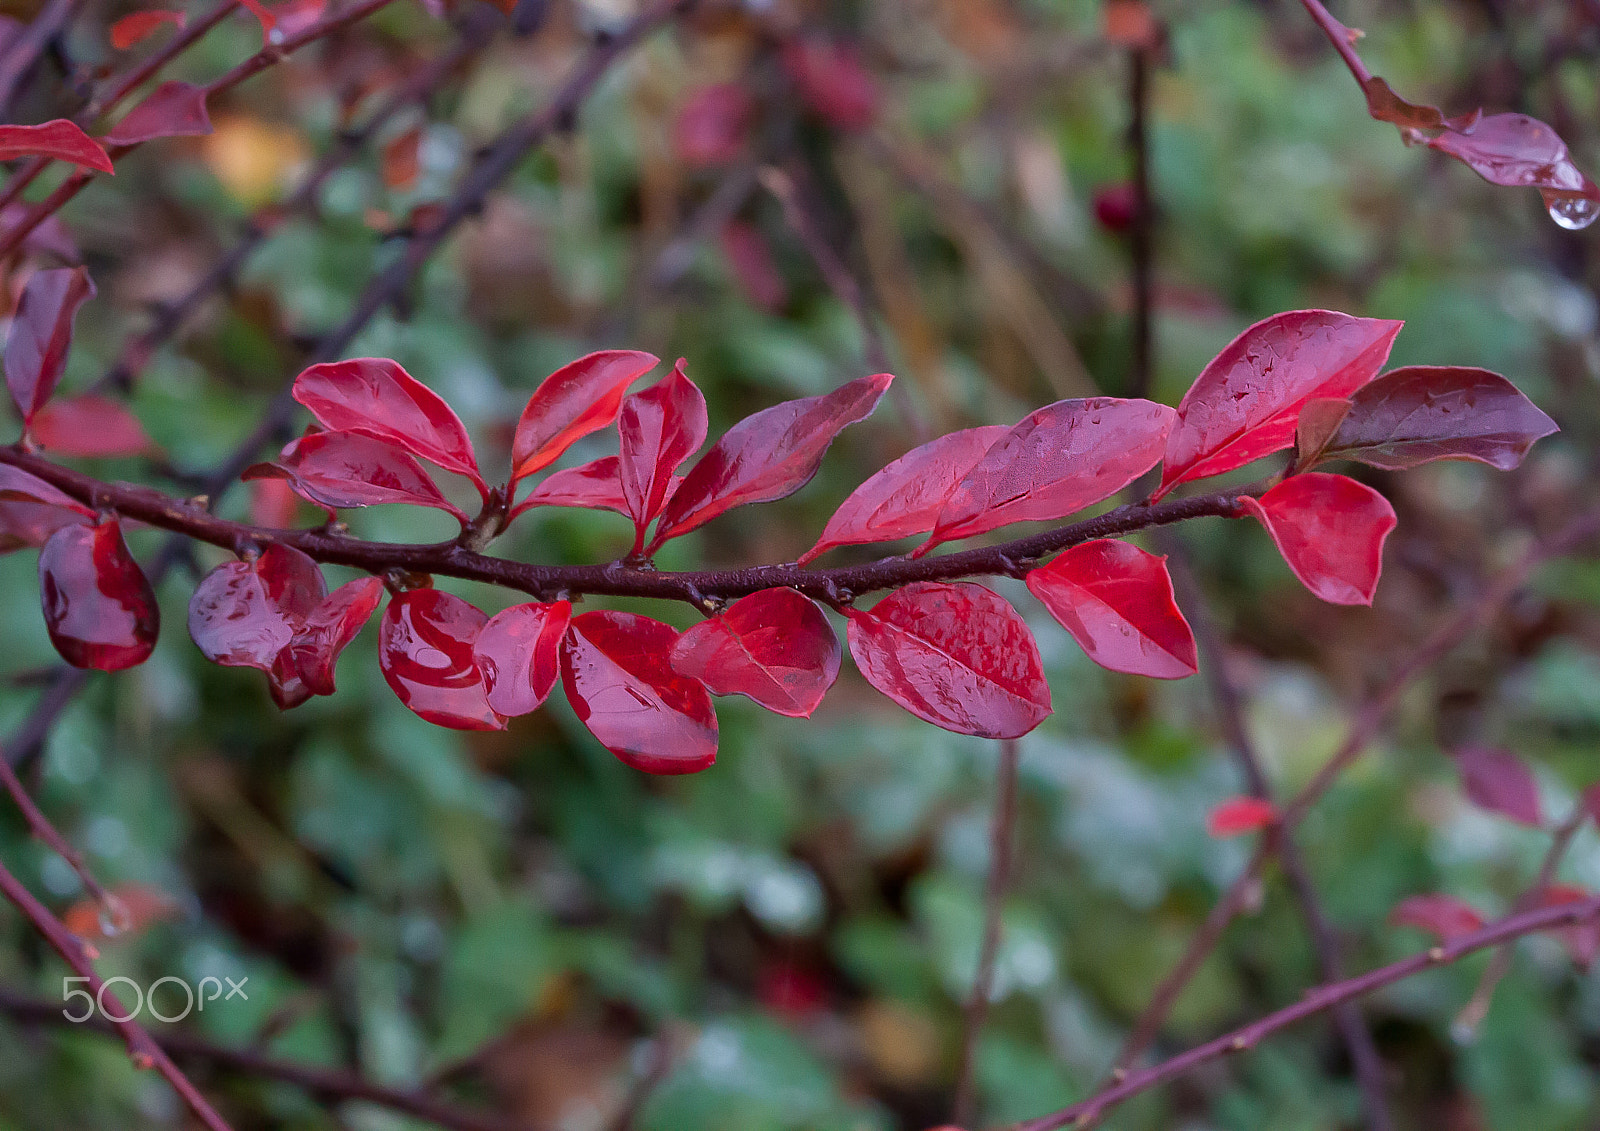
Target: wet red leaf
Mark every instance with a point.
(581, 397)
(1518, 151)
(140, 26)
(1330, 529)
(1239, 815)
(1116, 601)
(348, 469)
(376, 397)
(956, 655)
(518, 653)
(1245, 403)
(766, 456)
(173, 109)
(615, 669)
(1054, 462)
(90, 425)
(775, 646)
(833, 82)
(596, 484)
(328, 629)
(1421, 413)
(905, 498)
(41, 334)
(1443, 916)
(754, 269)
(425, 651)
(59, 139)
(1499, 781)
(660, 428)
(98, 605)
(243, 613)
(713, 125)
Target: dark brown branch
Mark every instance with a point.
(1319, 999)
(321, 1082)
(1002, 843)
(449, 559)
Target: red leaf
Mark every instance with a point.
(18, 486)
(140, 26)
(376, 397)
(137, 907)
(660, 428)
(906, 497)
(766, 456)
(1319, 420)
(1057, 460)
(400, 160)
(748, 254)
(295, 16)
(98, 606)
(268, 20)
(1239, 815)
(1516, 150)
(31, 510)
(1443, 916)
(49, 238)
(59, 139)
(581, 397)
(1245, 402)
(1116, 206)
(244, 613)
(425, 651)
(1387, 106)
(615, 669)
(713, 125)
(1499, 781)
(347, 469)
(775, 646)
(518, 654)
(90, 425)
(955, 655)
(833, 82)
(41, 334)
(173, 109)
(273, 504)
(1421, 413)
(328, 628)
(1330, 529)
(1582, 940)
(596, 485)
(1116, 601)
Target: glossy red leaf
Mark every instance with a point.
(714, 124)
(173, 109)
(41, 334)
(98, 605)
(1116, 601)
(775, 646)
(596, 485)
(1319, 420)
(1056, 461)
(31, 510)
(1499, 781)
(833, 82)
(376, 397)
(1421, 413)
(90, 425)
(905, 498)
(581, 397)
(749, 255)
(17, 485)
(1239, 815)
(1443, 916)
(1519, 151)
(425, 651)
(59, 139)
(766, 456)
(138, 27)
(518, 653)
(347, 469)
(243, 613)
(328, 629)
(1245, 403)
(1581, 940)
(956, 655)
(619, 680)
(1330, 529)
(660, 428)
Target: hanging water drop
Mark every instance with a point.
(114, 916)
(1574, 212)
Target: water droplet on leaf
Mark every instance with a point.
(1574, 213)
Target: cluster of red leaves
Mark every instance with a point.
(955, 654)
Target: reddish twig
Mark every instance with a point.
(1342, 38)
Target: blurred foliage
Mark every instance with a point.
(801, 923)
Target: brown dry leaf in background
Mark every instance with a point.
(253, 159)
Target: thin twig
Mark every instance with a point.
(1342, 38)
(47, 833)
(1002, 843)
